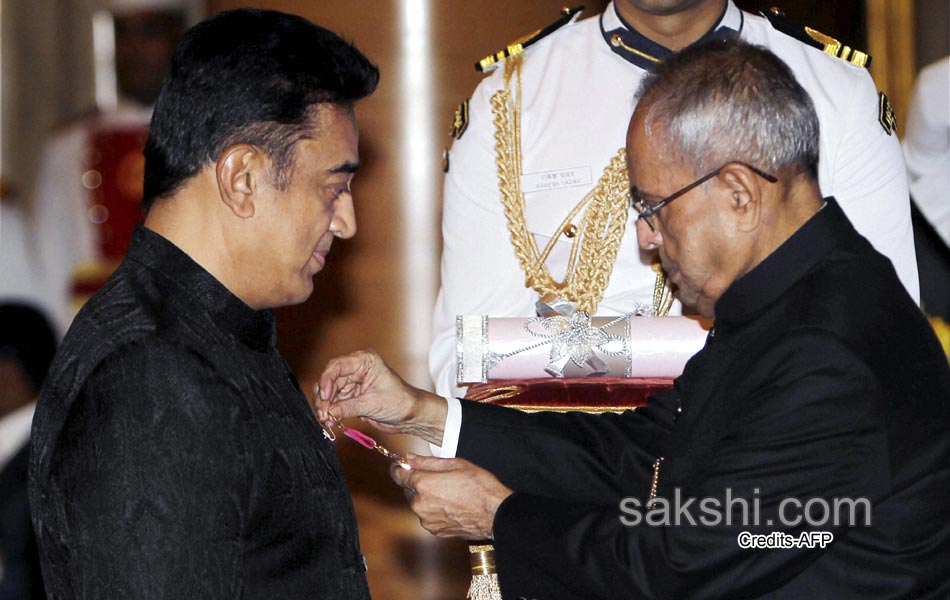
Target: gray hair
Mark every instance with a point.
(725, 101)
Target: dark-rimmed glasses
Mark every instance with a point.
(646, 212)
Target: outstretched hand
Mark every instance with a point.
(361, 385)
(451, 496)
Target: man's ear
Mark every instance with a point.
(238, 174)
(746, 190)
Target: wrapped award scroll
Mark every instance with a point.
(574, 345)
(634, 357)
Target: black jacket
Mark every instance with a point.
(19, 561)
(821, 379)
(174, 455)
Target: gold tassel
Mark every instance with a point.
(942, 329)
(484, 578)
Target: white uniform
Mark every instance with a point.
(21, 278)
(927, 145)
(577, 101)
(61, 207)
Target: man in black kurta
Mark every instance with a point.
(186, 462)
(796, 395)
(821, 398)
(174, 454)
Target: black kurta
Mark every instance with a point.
(174, 454)
(822, 379)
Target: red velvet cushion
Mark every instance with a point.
(585, 394)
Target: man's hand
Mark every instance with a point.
(452, 497)
(362, 385)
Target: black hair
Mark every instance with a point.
(247, 76)
(27, 338)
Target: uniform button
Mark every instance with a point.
(570, 230)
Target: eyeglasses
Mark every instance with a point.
(647, 212)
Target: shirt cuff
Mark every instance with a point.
(450, 435)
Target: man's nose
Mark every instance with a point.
(344, 218)
(649, 239)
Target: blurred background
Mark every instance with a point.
(65, 64)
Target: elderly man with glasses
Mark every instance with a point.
(803, 453)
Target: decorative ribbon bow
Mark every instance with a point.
(571, 335)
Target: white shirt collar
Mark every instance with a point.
(15, 431)
(731, 20)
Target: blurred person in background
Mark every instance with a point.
(20, 274)
(926, 147)
(88, 191)
(27, 345)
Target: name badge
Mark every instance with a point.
(552, 180)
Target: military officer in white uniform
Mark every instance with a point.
(927, 145)
(63, 214)
(61, 209)
(562, 115)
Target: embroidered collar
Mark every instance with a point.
(627, 43)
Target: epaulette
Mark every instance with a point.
(807, 35)
(459, 125)
(517, 47)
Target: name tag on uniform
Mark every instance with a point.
(552, 180)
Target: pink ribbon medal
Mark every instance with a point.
(367, 442)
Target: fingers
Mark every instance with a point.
(402, 476)
(451, 497)
(362, 385)
(423, 468)
(353, 366)
(342, 379)
(434, 463)
(338, 368)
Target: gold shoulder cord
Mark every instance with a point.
(597, 240)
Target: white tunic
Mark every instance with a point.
(66, 235)
(927, 145)
(577, 102)
(22, 279)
